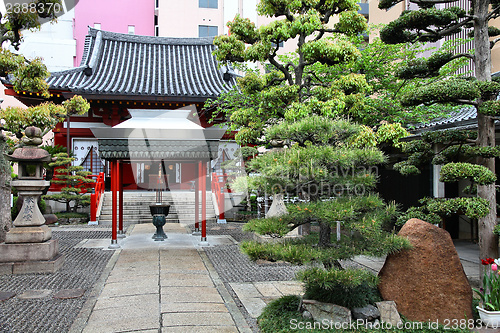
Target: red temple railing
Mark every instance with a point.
(96, 197)
(219, 188)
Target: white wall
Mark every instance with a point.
(54, 43)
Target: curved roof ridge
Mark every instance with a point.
(121, 37)
(122, 64)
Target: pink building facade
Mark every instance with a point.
(123, 16)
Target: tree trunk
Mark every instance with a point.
(324, 234)
(5, 219)
(488, 242)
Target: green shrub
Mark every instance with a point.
(351, 288)
(277, 315)
(282, 316)
(68, 215)
(272, 226)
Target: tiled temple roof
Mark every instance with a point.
(157, 149)
(465, 117)
(123, 64)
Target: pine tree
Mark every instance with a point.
(73, 179)
(432, 21)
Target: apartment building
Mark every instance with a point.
(382, 16)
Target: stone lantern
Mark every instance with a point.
(28, 246)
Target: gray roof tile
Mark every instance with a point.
(465, 115)
(125, 64)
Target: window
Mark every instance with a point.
(208, 4)
(207, 31)
(131, 29)
(280, 44)
(97, 26)
(157, 31)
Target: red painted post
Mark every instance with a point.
(120, 187)
(114, 241)
(204, 201)
(93, 207)
(197, 198)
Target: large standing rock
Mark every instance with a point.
(428, 282)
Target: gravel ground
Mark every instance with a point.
(81, 269)
(234, 266)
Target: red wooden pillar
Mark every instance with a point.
(114, 210)
(197, 198)
(121, 234)
(204, 201)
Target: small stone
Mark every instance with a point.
(35, 294)
(5, 295)
(278, 207)
(327, 311)
(69, 293)
(50, 218)
(389, 313)
(368, 312)
(307, 315)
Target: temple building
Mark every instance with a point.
(122, 75)
(146, 128)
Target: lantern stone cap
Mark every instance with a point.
(29, 154)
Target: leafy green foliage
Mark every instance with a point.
(490, 108)
(449, 91)
(473, 207)
(76, 105)
(407, 27)
(351, 288)
(328, 52)
(424, 68)
(479, 174)
(421, 213)
(44, 116)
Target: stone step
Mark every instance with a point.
(136, 207)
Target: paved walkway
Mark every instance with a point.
(171, 286)
(167, 286)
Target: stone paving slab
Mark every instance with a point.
(101, 321)
(199, 319)
(134, 287)
(197, 329)
(123, 301)
(191, 294)
(256, 295)
(185, 280)
(93, 244)
(267, 289)
(192, 307)
(35, 294)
